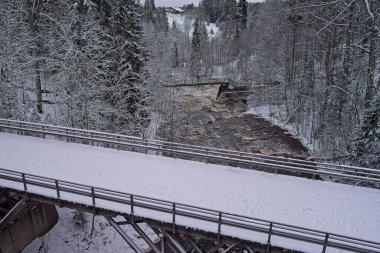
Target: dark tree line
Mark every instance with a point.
(78, 63)
(326, 56)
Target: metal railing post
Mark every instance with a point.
(93, 196)
(219, 227)
(58, 193)
(132, 209)
(24, 182)
(19, 125)
(174, 206)
(325, 243)
(269, 238)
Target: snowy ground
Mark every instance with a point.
(336, 208)
(72, 234)
(187, 25)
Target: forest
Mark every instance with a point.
(102, 64)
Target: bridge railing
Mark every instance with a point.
(187, 151)
(216, 222)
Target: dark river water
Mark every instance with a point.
(197, 117)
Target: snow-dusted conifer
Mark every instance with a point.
(367, 142)
(122, 69)
(195, 67)
(176, 57)
(243, 12)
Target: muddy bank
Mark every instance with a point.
(198, 118)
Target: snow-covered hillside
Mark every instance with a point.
(185, 23)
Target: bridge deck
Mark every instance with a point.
(335, 208)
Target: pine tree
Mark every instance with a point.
(8, 62)
(199, 47)
(161, 22)
(74, 86)
(203, 31)
(149, 10)
(229, 10)
(195, 67)
(243, 12)
(229, 26)
(122, 68)
(176, 58)
(366, 150)
(34, 12)
(211, 9)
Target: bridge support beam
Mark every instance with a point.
(215, 248)
(123, 234)
(143, 235)
(193, 244)
(174, 242)
(229, 248)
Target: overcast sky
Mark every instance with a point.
(182, 2)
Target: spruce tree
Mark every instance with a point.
(74, 86)
(229, 27)
(148, 11)
(195, 67)
(122, 68)
(243, 12)
(211, 9)
(161, 22)
(366, 150)
(174, 26)
(176, 58)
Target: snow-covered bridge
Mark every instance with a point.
(181, 195)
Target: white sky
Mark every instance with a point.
(182, 2)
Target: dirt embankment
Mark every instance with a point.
(198, 118)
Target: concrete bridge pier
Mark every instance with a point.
(26, 221)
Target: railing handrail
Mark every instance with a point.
(198, 213)
(287, 164)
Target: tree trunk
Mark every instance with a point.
(347, 62)
(38, 47)
(370, 91)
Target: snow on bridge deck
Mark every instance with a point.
(336, 208)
